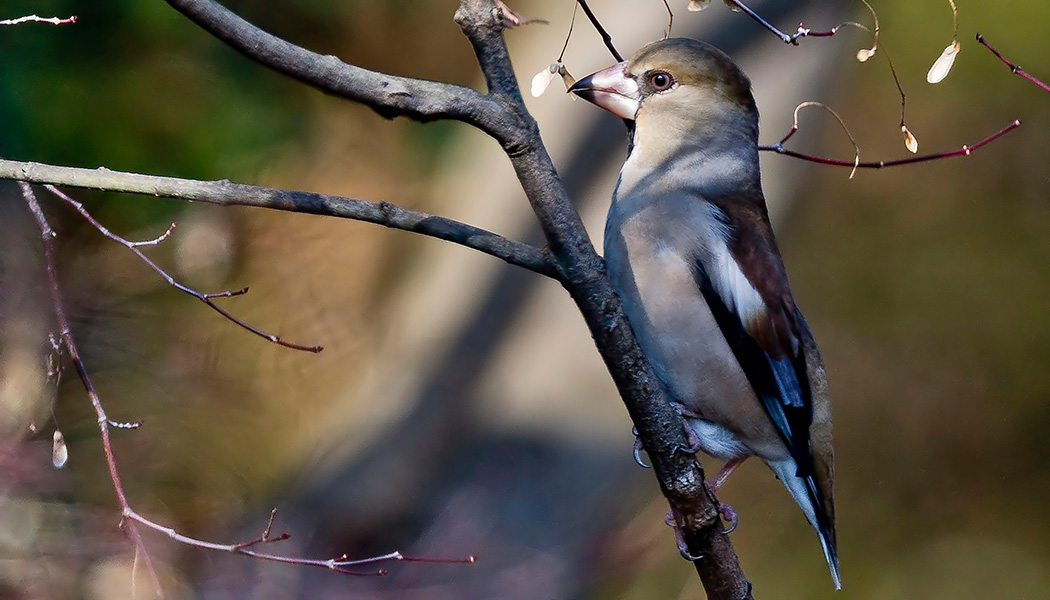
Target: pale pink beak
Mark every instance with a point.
(612, 90)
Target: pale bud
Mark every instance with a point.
(566, 78)
(698, 5)
(59, 452)
(543, 79)
(733, 6)
(864, 54)
(943, 64)
(910, 142)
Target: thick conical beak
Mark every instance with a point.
(612, 90)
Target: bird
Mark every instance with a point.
(691, 254)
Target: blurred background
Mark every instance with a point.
(459, 406)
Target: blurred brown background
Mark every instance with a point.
(459, 406)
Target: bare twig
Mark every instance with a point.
(792, 39)
(606, 38)
(66, 335)
(38, 19)
(1015, 69)
(794, 129)
(234, 194)
(205, 298)
(966, 150)
(338, 564)
(130, 518)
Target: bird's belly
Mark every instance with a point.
(678, 333)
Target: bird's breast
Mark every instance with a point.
(651, 255)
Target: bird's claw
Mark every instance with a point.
(728, 515)
(638, 454)
(685, 553)
(638, 449)
(679, 540)
(694, 449)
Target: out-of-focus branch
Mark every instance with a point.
(208, 299)
(227, 193)
(339, 564)
(66, 336)
(130, 519)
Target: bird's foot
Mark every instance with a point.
(729, 516)
(690, 436)
(638, 449)
(512, 19)
(679, 540)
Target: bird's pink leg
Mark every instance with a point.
(716, 482)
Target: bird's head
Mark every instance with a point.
(676, 86)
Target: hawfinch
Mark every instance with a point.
(691, 254)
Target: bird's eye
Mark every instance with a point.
(661, 81)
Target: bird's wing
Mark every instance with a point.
(746, 288)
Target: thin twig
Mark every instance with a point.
(66, 335)
(130, 518)
(38, 19)
(792, 39)
(1015, 69)
(794, 129)
(670, 19)
(966, 150)
(338, 564)
(205, 298)
(606, 38)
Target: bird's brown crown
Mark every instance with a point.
(692, 62)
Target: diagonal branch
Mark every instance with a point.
(389, 95)
(660, 427)
(1014, 68)
(227, 193)
(207, 299)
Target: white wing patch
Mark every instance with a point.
(729, 281)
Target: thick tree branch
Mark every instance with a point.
(227, 193)
(389, 95)
(659, 426)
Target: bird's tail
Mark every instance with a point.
(808, 497)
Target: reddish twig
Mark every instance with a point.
(794, 129)
(1015, 69)
(205, 298)
(338, 565)
(129, 518)
(66, 335)
(964, 151)
(38, 19)
(801, 32)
